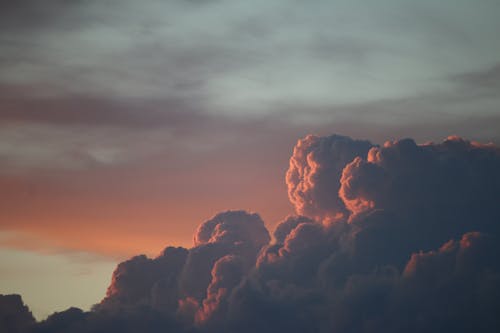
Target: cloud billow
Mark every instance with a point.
(396, 238)
(314, 172)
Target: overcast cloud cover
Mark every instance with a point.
(77, 70)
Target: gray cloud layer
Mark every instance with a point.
(245, 58)
(71, 72)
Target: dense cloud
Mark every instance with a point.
(15, 317)
(315, 169)
(235, 227)
(440, 191)
(143, 281)
(395, 238)
(229, 233)
(141, 319)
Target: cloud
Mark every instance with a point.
(228, 233)
(284, 228)
(487, 80)
(262, 54)
(313, 175)
(191, 283)
(440, 190)
(15, 316)
(356, 274)
(399, 237)
(237, 227)
(227, 273)
(462, 276)
(182, 95)
(139, 320)
(141, 281)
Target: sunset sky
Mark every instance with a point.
(126, 124)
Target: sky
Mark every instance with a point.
(126, 124)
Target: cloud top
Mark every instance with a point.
(314, 172)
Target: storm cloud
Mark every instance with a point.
(398, 237)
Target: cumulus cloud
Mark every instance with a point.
(141, 281)
(459, 280)
(237, 227)
(314, 173)
(284, 228)
(226, 274)
(190, 283)
(396, 238)
(228, 233)
(139, 320)
(15, 317)
(439, 190)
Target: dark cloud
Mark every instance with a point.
(229, 233)
(284, 228)
(365, 276)
(235, 227)
(227, 273)
(359, 274)
(190, 283)
(439, 190)
(15, 316)
(413, 247)
(141, 281)
(142, 319)
(462, 276)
